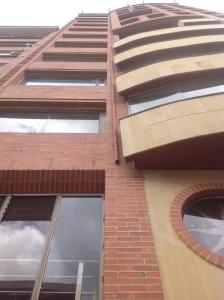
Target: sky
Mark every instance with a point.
(60, 12)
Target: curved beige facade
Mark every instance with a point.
(161, 32)
(185, 275)
(207, 41)
(174, 53)
(171, 123)
(165, 69)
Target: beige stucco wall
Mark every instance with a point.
(168, 68)
(185, 275)
(171, 123)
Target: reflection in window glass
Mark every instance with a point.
(77, 239)
(23, 233)
(154, 99)
(49, 123)
(6, 53)
(204, 219)
(178, 92)
(66, 82)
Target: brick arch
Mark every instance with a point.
(181, 200)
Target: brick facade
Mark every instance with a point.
(91, 163)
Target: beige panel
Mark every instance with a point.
(185, 275)
(168, 45)
(199, 21)
(171, 123)
(143, 35)
(168, 68)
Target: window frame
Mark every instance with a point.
(46, 249)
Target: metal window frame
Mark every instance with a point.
(35, 293)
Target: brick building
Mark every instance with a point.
(111, 157)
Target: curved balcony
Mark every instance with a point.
(166, 35)
(182, 135)
(163, 51)
(165, 71)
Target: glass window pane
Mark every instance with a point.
(77, 239)
(204, 91)
(63, 82)
(1, 200)
(179, 91)
(102, 82)
(73, 123)
(156, 98)
(22, 122)
(15, 296)
(22, 233)
(51, 123)
(204, 220)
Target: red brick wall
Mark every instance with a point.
(130, 265)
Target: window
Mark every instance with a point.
(50, 247)
(50, 122)
(204, 220)
(182, 91)
(9, 53)
(66, 82)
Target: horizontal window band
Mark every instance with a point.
(64, 74)
(85, 35)
(81, 44)
(80, 28)
(49, 122)
(52, 56)
(180, 90)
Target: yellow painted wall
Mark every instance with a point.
(185, 275)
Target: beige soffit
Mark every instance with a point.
(168, 68)
(143, 35)
(171, 123)
(167, 45)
